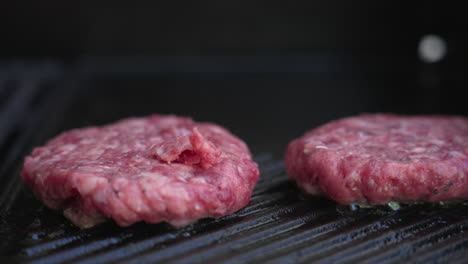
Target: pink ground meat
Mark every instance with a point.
(374, 159)
(153, 169)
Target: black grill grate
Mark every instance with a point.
(26, 99)
(280, 225)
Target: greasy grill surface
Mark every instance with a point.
(280, 225)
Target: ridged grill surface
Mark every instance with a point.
(280, 224)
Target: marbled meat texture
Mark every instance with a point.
(154, 169)
(375, 159)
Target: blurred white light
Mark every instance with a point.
(432, 48)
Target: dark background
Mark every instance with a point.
(268, 71)
(63, 29)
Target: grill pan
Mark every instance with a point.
(280, 224)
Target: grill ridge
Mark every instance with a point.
(254, 208)
(209, 237)
(439, 254)
(407, 249)
(244, 241)
(290, 241)
(403, 229)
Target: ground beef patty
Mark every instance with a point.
(154, 169)
(374, 159)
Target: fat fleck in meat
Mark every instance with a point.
(153, 169)
(374, 159)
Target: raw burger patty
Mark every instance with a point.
(154, 169)
(374, 159)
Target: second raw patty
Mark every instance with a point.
(374, 159)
